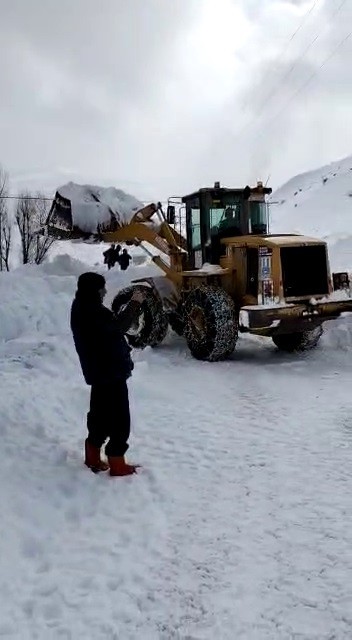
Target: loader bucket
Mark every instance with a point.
(86, 211)
(60, 225)
(59, 221)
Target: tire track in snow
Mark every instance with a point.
(281, 479)
(238, 526)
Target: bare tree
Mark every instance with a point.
(43, 242)
(24, 214)
(5, 223)
(31, 215)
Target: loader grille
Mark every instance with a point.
(304, 271)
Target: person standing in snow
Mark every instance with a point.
(124, 260)
(106, 364)
(117, 254)
(109, 257)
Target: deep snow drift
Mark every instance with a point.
(237, 526)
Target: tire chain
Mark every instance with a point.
(222, 325)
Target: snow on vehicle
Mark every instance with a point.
(228, 275)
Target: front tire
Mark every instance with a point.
(299, 341)
(151, 326)
(211, 325)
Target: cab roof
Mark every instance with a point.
(217, 191)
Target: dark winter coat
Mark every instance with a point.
(99, 339)
(124, 260)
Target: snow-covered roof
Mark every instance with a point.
(92, 205)
(285, 240)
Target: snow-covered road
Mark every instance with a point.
(239, 524)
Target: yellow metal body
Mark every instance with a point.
(232, 270)
(230, 274)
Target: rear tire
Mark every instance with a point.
(211, 326)
(152, 321)
(299, 341)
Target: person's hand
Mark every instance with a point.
(137, 297)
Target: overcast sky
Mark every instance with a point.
(160, 97)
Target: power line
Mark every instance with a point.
(300, 26)
(282, 52)
(287, 74)
(300, 58)
(315, 73)
(310, 78)
(24, 197)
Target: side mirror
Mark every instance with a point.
(341, 281)
(246, 192)
(171, 214)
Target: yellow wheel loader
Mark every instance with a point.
(226, 274)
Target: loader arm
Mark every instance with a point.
(180, 240)
(135, 233)
(161, 238)
(141, 228)
(166, 231)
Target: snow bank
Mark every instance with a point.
(32, 303)
(338, 334)
(37, 299)
(93, 205)
(92, 252)
(63, 265)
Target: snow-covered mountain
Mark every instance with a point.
(319, 203)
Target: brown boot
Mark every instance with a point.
(93, 460)
(118, 466)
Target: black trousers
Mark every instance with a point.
(109, 417)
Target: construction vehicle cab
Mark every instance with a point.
(219, 212)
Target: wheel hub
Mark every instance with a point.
(137, 326)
